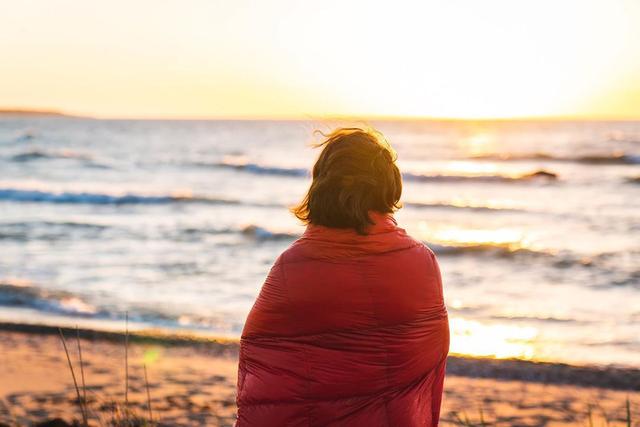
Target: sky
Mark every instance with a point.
(297, 59)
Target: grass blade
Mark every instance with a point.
(84, 386)
(73, 375)
(146, 382)
(126, 362)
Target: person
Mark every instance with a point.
(350, 326)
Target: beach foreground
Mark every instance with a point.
(192, 382)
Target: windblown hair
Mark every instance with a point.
(355, 173)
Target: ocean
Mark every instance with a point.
(536, 225)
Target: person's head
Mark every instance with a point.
(354, 174)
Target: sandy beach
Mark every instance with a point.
(192, 382)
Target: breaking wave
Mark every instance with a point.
(17, 293)
(596, 159)
(24, 294)
(21, 195)
(539, 175)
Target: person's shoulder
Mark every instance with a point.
(294, 253)
(415, 243)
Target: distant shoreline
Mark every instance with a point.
(609, 377)
(33, 113)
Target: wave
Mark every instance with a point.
(596, 159)
(256, 168)
(553, 259)
(48, 230)
(37, 154)
(37, 196)
(503, 250)
(40, 154)
(18, 293)
(23, 137)
(539, 175)
(629, 279)
(72, 224)
(252, 231)
(622, 159)
(542, 319)
(448, 206)
(261, 233)
(563, 259)
(24, 294)
(634, 179)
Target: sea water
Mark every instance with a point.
(536, 225)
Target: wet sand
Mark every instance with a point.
(192, 382)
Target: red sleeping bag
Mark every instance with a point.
(348, 330)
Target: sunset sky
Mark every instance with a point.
(207, 58)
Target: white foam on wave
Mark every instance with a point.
(29, 195)
(22, 293)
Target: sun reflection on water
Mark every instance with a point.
(471, 168)
(510, 238)
(495, 203)
(477, 144)
(472, 338)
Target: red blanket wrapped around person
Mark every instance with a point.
(348, 330)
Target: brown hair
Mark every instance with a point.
(354, 174)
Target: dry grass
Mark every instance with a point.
(596, 416)
(121, 415)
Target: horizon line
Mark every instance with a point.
(36, 111)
